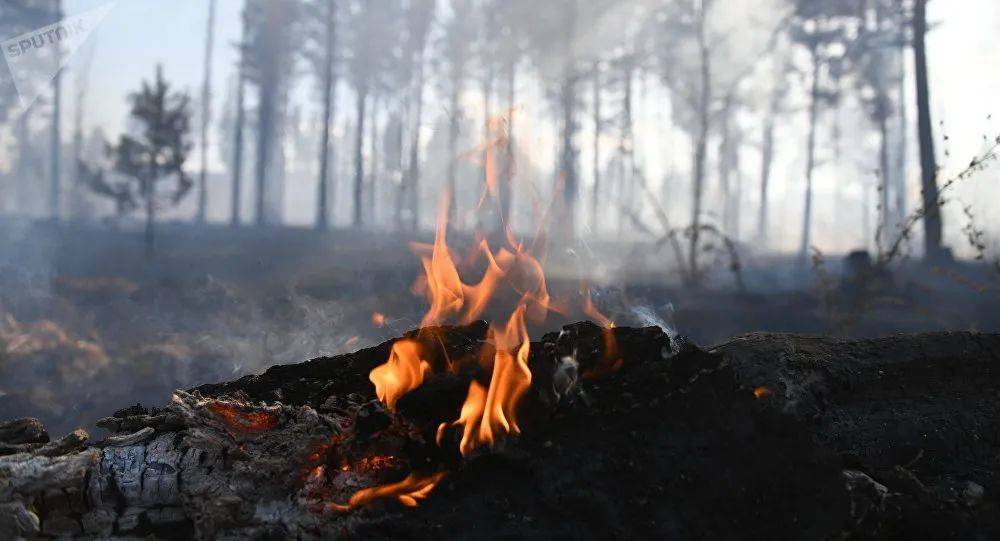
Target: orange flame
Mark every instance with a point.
(415, 487)
(762, 392)
(489, 414)
(403, 372)
(611, 360)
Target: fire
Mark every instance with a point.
(611, 360)
(403, 372)
(762, 392)
(414, 487)
(489, 414)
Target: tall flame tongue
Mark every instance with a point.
(489, 414)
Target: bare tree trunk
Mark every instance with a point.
(700, 147)
(329, 82)
(598, 124)
(507, 175)
(265, 128)
(55, 203)
(810, 158)
(933, 249)
(901, 138)
(237, 181)
(414, 166)
(206, 111)
(626, 157)
(373, 163)
(766, 162)
(567, 166)
(885, 220)
(452, 183)
(725, 164)
(359, 165)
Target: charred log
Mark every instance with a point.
(626, 433)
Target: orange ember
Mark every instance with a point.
(242, 421)
(761, 392)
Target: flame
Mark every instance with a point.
(489, 414)
(403, 372)
(762, 392)
(414, 487)
(611, 359)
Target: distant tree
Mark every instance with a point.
(323, 56)
(206, 113)
(933, 249)
(152, 157)
(271, 43)
(419, 15)
(371, 32)
(18, 17)
(825, 28)
(235, 158)
(455, 53)
(55, 143)
(878, 42)
(776, 95)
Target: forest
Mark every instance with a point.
(523, 205)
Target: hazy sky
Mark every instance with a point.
(963, 50)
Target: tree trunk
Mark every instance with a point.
(901, 141)
(933, 249)
(450, 175)
(359, 165)
(265, 129)
(595, 192)
(373, 163)
(700, 148)
(55, 203)
(507, 175)
(725, 164)
(766, 161)
(329, 82)
(414, 166)
(885, 219)
(567, 166)
(206, 111)
(237, 181)
(810, 158)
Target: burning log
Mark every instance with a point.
(766, 435)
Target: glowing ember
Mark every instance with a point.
(240, 420)
(403, 372)
(761, 392)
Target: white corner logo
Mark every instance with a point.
(36, 57)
